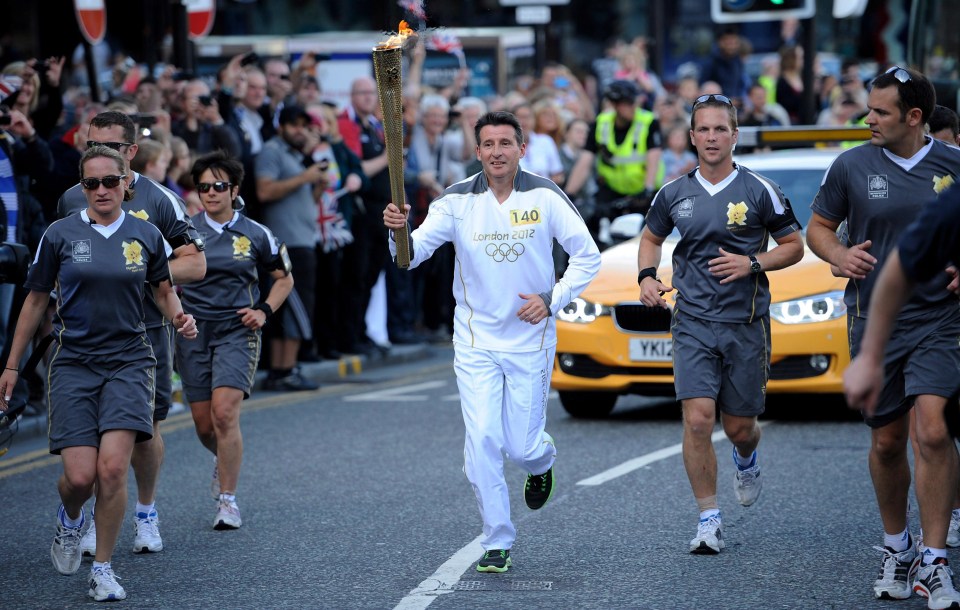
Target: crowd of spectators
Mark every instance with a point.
(318, 172)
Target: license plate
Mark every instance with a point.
(651, 350)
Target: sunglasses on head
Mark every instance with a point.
(220, 187)
(703, 99)
(110, 182)
(114, 145)
(899, 73)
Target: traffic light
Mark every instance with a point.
(738, 11)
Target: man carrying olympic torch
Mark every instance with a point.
(502, 223)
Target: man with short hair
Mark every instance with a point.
(944, 125)
(725, 214)
(502, 223)
(202, 127)
(878, 189)
(285, 181)
(368, 255)
(160, 206)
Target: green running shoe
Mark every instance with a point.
(495, 560)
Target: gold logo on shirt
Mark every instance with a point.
(737, 213)
(241, 246)
(940, 183)
(141, 214)
(133, 252)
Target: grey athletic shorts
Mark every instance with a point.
(89, 395)
(162, 339)
(922, 357)
(727, 362)
(224, 354)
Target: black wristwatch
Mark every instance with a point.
(755, 265)
(265, 308)
(648, 272)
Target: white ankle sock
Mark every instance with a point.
(898, 542)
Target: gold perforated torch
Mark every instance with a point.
(387, 69)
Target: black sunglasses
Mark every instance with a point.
(220, 187)
(110, 182)
(114, 145)
(899, 73)
(703, 99)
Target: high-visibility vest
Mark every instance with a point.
(624, 170)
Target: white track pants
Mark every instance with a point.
(503, 396)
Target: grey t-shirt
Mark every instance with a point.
(99, 281)
(878, 198)
(740, 218)
(151, 202)
(293, 218)
(232, 259)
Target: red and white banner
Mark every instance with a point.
(200, 15)
(92, 19)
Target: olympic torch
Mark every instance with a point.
(387, 69)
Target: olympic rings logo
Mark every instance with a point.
(505, 252)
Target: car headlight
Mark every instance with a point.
(582, 311)
(816, 308)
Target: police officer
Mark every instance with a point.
(624, 150)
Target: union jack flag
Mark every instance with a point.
(9, 84)
(414, 7)
(445, 42)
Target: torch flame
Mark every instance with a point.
(398, 39)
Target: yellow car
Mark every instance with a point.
(609, 344)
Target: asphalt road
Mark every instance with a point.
(354, 497)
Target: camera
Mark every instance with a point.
(14, 260)
(250, 58)
(144, 120)
(5, 119)
(205, 100)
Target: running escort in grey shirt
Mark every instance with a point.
(232, 257)
(858, 187)
(99, 281)
(155, 204)
(739, 214)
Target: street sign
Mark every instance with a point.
(200, 15)
(529, 2)
(92, 19)
(533, 15)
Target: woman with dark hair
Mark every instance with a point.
(102, 371)
(218, 368)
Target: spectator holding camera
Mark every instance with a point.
(39, 97)
(286, 179)
(202, 126)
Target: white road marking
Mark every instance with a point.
(447, 575)
(639, 462)
(401, 394)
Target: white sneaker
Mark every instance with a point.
(104, 586)
(896, 572)
(88, 544)
(953, 533)
(147, 530)
(709, 539)
(228, 516)
(935, 582)
(215, 482)
(65, 551)
(747, 483)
